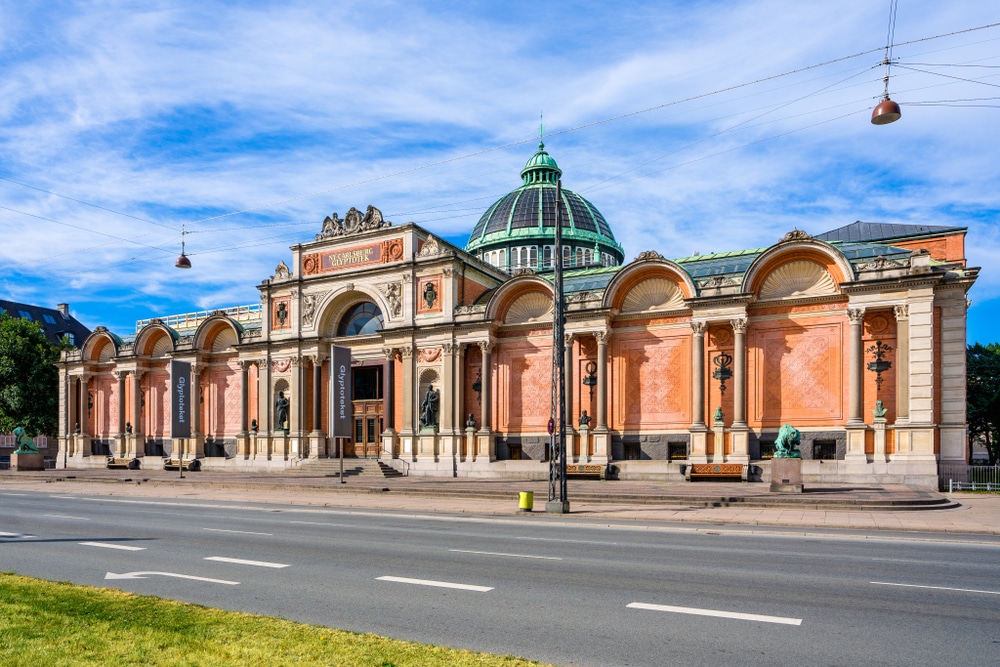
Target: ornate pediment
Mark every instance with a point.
(647, 255)
(881, 263)
(353, 223)
(795, 235)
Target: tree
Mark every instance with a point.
(29, 382)
(982, 382)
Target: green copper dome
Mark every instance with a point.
(518, 231)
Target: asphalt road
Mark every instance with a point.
(541, 586)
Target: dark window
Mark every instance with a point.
(677, 451)
(359, 430)
(364, 318)
(367, 383)
(25, 314)
(633, 452)
(515, 452)
(825, 450)
(48, 318)
(766, 449)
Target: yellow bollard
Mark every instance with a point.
(525, 500)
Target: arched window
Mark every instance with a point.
(547, 257)
(533, 257)
(364, 318)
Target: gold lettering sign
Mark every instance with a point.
(344, 258)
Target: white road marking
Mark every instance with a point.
(66, 516)
(13, 494)
(144, 575)
(322, 523)
(240, 561)
(936, 588)
(20, 536)
(497, 553)
(241, 532)
(713, 612)
(105, 545)
(439, 584)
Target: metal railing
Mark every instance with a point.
(961, 477)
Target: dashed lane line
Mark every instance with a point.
(438, 584)
(241, 561)
(498, 553)
(695, 611)
(936, 588)
(106, 545)
(239, 532)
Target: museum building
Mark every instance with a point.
(856, 337)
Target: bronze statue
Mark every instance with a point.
(429, 408)
(25, 444)
(584, 419)
(280, 412)
(471, 421)
(786, 446)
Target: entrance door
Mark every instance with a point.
(368, 405)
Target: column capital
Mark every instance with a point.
(699, 328)
(119, 374)
(406, 351)
(486, 346)
(856, 315)
(389, 353)
(902, 312)
(451, 348)
(601, 336)
(739, 324)
(568, 339)
(245, 364)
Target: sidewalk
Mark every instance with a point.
(885, 508)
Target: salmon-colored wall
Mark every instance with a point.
(469, 290)
(879, 326)
(650, 380)
(104, 414)
(220, 400)
(797, 371)
(524, 372)
(720, 341)
(157, 404)
(470, 400)
(946, 249)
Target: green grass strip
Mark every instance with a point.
(53, 624)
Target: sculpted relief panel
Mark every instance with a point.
(653, 381)
(801, 374)
(528, 370)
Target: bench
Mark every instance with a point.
(695, 471)
(587, 470)
(175, 464)
(123, 464)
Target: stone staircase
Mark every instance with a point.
(352, 468)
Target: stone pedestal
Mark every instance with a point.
(27, 461)
(786, 475)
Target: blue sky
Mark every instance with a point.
(120, 122)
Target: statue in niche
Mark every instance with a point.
(584, 419)
(253, 426)
(718, 416)
(429, 408)
(879, 411)
(786, 446)
(281, 412)
(471, 421)
(128, 428)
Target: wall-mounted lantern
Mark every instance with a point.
(590, 379)
(723, 370)
(880, 365)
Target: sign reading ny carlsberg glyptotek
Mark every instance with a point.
(180, 399)
(341, 394)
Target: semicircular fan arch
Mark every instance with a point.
(797, 279)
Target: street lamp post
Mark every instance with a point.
(558, 502)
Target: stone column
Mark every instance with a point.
(602, 380)
(915, 439)
(122, 442)
(459, 388)
(317, 391)
(601, 433)
(486, 448)
(84, 408)
(855, 390)
(699, 431)
(739, 431)
(952, 433)
(902, 363)
(447, 404)
(197, 405)
(389, 402)
(855, 383)
(408, 442)
(243, 437)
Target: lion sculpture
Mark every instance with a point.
(787, 444)
(25, 445)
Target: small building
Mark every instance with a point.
(56, 322)
(856, 337)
